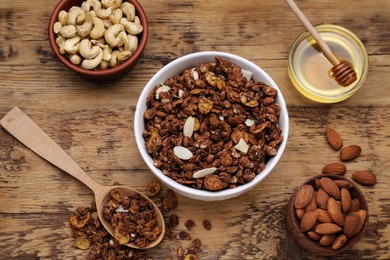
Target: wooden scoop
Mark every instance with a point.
(342, 71)
(23, 128)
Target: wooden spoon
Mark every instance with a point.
(342, 71)
(23, 128)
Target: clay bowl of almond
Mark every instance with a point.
(327, 215)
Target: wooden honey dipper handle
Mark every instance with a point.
(342, 71)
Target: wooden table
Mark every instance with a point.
(94, 124)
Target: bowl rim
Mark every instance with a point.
(196, 58)
(305, 242)
(109, 71)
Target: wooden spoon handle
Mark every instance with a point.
(324, 47)
(23, 128)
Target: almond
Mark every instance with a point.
(308, 220)
(339, 242)
(299, 213)
(312, 204)
(335, 168)
(327, 240)
(330, 187)
(317, 183)
(362, 217)
(366, 178)
(343, 184)
(355, 205)
(346, 201)
(334, 138)
(322, 199)
(327, 229)
(351, 225)
(335, 211)
(323, 216)
(350, 152)
(313, 235)
(303, 196)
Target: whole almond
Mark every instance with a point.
(303, 196)
(343, 184)
(334, 211)
(355, 205)
(327, 240)
(308, 220)
(366, 178)
(351, 225)
(346, 201)
(330, 187)
(323, 216)
(362, 217)
(313, 236)
(350, 152)
(335, 168)
(317, 183)
(322, 199)
(327, 229)
(312, 204)
(334, 138)
(299, 213)
(339, 242)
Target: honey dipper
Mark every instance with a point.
(342, 70)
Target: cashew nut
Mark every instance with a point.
(62, 17)
(85, 29)
(86, 6)
(107, 23)
(71, 45)
(137, 20)
(67, 31)
(133, 42)
(131, 27)
(61, 43)
(111, 33)
(129, 10)
(74, 12)
(99, 42)
(97, 7)
(103, 65)
(124, 55)
(98, 29)
(124, 40)
(114, 4)
(80, 19)
(75, 59)
(114, 58)
(106, 53)
(57, 26)
(90, 64)
(87, 51)
(116, 16)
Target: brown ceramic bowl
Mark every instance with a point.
(99, 75)
(311, 246)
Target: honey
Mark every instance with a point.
(309, 70)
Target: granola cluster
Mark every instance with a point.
(212, 127)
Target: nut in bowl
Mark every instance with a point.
(327, 215)
(100, 40)
(211, 125)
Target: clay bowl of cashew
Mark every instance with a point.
(337, 224)
(100, 40)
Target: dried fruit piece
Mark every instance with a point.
(335, 211)
(334, 138)
(204, 172)
(346, 201)
(327, 229)
(303, 196)
(330, 187)
(153, 188)
(207, 224)
(213, 182)
(350, 152)
(339, 242)
(335, 168)
(189, 224)
(82, 243)
(183, 235)
(366, 178)
(308, 220)
(182, 152)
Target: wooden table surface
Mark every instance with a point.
(94, 124)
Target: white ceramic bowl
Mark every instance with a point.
(176, 67)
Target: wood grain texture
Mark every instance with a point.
(94, 124)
